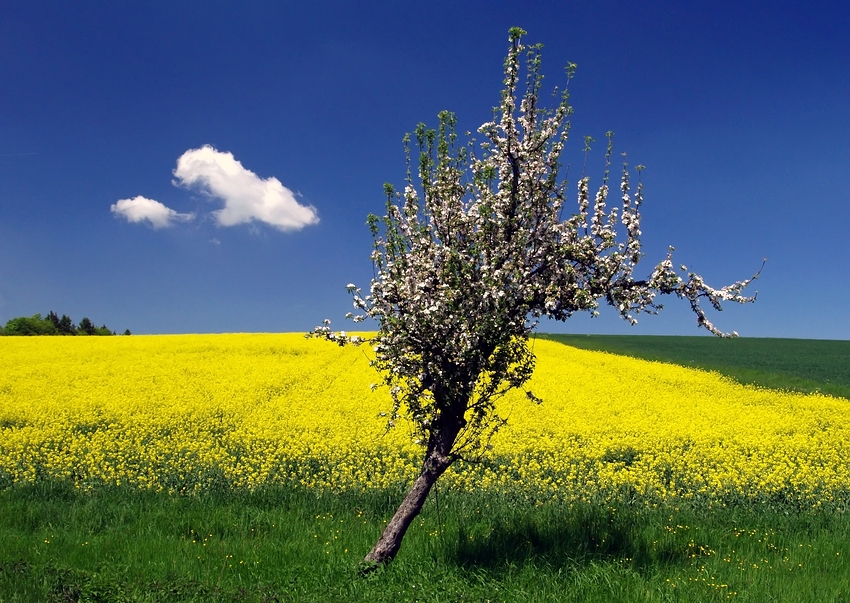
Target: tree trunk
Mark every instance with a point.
(389, 543)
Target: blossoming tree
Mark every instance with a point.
(473, 252)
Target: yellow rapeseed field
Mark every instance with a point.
(188, 413)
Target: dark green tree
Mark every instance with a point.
(53, 325)
(86, 327)
(66, 326)
(53, 318)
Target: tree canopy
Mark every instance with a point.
(475, 249)
(52, 324)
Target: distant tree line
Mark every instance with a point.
(52, 324)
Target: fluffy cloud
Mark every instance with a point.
(139, 209)
(246, 196)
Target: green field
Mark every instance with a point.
(125, 545)
(58, 544)
(806, 365)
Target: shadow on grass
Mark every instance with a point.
(577, 537)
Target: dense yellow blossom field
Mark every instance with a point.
(188, 413)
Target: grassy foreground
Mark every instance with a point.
(127, 545)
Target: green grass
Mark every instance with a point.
(807, 365)
(125, 545)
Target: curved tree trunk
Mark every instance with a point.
(437, 460)
(389, 543)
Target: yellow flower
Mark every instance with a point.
(189, 413)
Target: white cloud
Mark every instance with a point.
(246, 196)
(138, 209)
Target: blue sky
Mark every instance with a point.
(738, 110)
